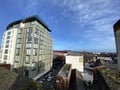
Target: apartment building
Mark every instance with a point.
(27, 46)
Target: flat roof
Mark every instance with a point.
(65, 70)
(29, 19)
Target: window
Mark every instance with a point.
(35, 40)
(18, 45)
(29, 29)
(28, 51)
(16, 26)
(6, 51)
(26, 73)
(7, 41)
(34, 51)
(5, 57)
(17, 58)
(35, 45)
(29, 39)
(8, 37)
(19, 40)
(6, 46)
(29, 34)
(36, 34)
(28, 45)
(9, 33)
(34, 58)
(26, 66)
(18, 51)
(5, 62)
(33, 66)
(27, 59)
(20, 31)
(19, 35)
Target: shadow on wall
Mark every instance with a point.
(58, 61)
(31, 71)
(12, 81)
(99, 81)
(21, 82)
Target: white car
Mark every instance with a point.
(49, 79)
(41, 81)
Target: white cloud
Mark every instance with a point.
(100, 15)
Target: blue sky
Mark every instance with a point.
(75, 24)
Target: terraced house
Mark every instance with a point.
(27, 46)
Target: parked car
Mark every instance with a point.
(49, 79)
(44, 79)
(41, 81)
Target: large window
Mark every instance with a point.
(28, 51)
(6, 46)
(29, 39)
(16, 26)
(8, 33)
(36, 34)
(33, 66)
(6, 51)
(5, 57)
(17, 58)
(29, 29)
(20, 35)
(35, 52)
(26, 66)
(34, 59)
(18, 46)
(35, 45)
(8, 37)
(7, 41)
(19, 40)
(28, 45)
(27, 59)
(35, 40)
(20, 31)
(29, 35)
(18, 51)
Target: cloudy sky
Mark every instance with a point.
(75, 24)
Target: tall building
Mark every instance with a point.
(117, 39)
(27, 46)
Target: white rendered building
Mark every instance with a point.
(76, 61)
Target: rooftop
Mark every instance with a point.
(28, 19)
(65, 70)
(116, 26)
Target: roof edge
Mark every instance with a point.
(116, 26)
(30, 18)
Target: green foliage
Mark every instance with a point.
(32, 85)
(6, 75)
(111, 74)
